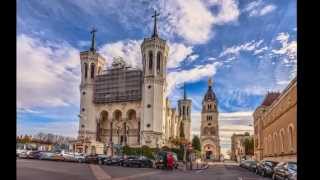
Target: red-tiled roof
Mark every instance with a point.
(270, 97)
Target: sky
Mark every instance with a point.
(247, 47)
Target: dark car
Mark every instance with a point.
(92, 158)
(253, 165)
(265, 167)
(128, 162)
(34, 154)
(141, 161)
(286, 170)
(117, 160)
(101, 158)
(95, 158)
(248, 164)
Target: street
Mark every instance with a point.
(52, 170)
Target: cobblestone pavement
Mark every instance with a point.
(52, 170)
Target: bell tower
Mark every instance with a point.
(92, 64)
(184, 109)
(209, 134)
(154, 52)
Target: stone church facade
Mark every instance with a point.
(122, 105)
(209, 134)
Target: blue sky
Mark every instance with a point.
(248, 48)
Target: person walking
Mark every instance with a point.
(170, 161)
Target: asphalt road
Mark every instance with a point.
(52, 170)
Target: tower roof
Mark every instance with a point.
(210, 95)
(270, 98)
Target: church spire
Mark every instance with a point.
(210, 82)
(93, 39)
(155, 31)
(184, 91)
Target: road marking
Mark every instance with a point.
(99, 173)
(137, 175)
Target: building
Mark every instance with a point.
(238, 150)
(209, 134)
(122, 105)
(275, 125)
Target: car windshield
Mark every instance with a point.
(292, 166)
(271, 163)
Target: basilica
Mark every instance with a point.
(122, 105)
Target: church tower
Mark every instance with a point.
(184, 108)
(92, 64)
(154, 59)
(209, 134)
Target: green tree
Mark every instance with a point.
(196, 143)
(247, 134)
(249, 146)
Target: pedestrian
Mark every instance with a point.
(170, 161)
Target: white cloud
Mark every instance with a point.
(249, 46)
(288, 48)
(259, 8)
(192, 19)
(178, 52)
(48, 73)
(267, 9)
(129, 50)
(176, 78)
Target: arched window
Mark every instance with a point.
(150, 60)
(159, 57)
(282, 140)
(183, 108)
(270, 145)
(290, 136)
(274, 143)
(187, 111)
(92, 67)
(144, 62)
(85, 70)
(131, 114)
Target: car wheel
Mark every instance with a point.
(274, 177)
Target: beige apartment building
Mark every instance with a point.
(275, 125)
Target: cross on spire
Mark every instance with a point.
(210, 82)
(93, 39)
(155, 31)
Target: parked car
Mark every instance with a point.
(92, 158)
(141, 161)
(80, 158)
(117, 160)
(46, 155)
(286, 170)
(248, 164)
(253, 165)
(127, 161)
(161, 157)
(24, 154)
(265, 167)
(57, 157)
(34, 154)
(101, 158)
